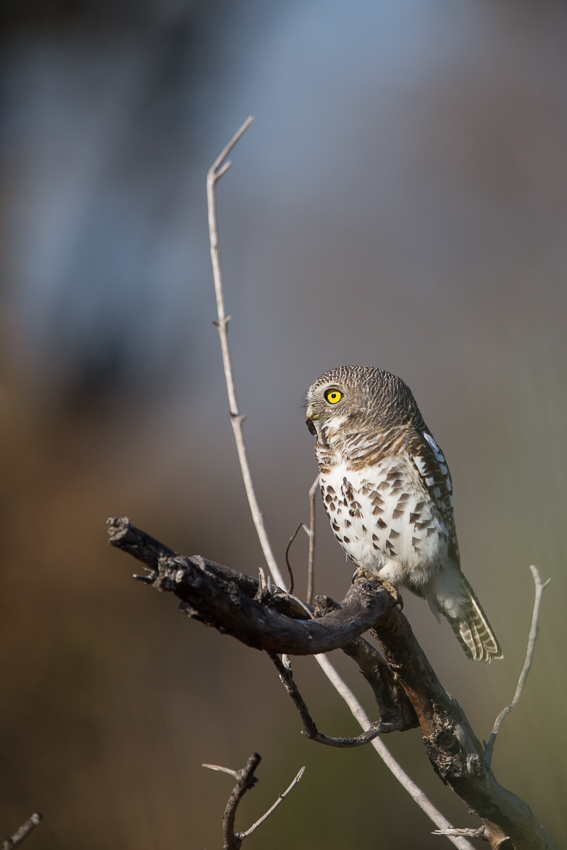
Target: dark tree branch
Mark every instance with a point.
(454, 750)
(22, 832)
(213, 595)
(396, 711)
(223, 598)
(245, 780)
(309, 728)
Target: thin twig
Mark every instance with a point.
(22, 832)
(280, 799)
(311, 535)
(288, 547)
(222, 769)
(470, 833)
(215, 173)
(245, 780)
(539, 588)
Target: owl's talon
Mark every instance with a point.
(396, 596)
(360, 574)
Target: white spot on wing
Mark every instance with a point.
(420, 463)
(436, 450)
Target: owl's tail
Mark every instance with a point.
(474, 632)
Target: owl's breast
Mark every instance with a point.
(382, 514)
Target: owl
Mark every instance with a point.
(387, 491)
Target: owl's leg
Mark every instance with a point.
(362, 574)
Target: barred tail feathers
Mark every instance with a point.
(474, 632)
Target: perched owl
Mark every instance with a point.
(387, 491)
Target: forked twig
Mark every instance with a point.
(539, 588)
(22, 832)
(245, 780)
(220, 167)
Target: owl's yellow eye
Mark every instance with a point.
(333, 396)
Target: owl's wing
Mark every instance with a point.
(435, 477)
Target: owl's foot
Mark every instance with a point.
(365, 575)
(360, 574)
(396, 596)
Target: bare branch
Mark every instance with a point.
(214, 595)
(280, 799)
(311, 535)
(539, 588)
(22, 832)
(245, 780)
(396, 712)
(222, 769)
(309, 728)
(410, 786)
(225, 599)
(457, 766)
(288, 547)
(470, 833)
(215, 173)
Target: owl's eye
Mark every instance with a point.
(333, 396)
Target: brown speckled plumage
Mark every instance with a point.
(387, 490)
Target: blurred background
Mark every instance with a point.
(399, 201)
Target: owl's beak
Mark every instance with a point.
(310, 415)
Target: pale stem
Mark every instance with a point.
(280, 799)
(539, 588)
(311, 535)
(222, 769)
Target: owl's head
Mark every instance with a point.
(356, 399)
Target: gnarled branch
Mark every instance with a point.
(225, 599)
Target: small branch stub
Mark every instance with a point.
(22, 832)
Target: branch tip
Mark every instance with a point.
(539, 588)
(25, 829)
